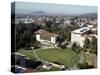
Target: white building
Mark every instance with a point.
(79, 35)
(46, 37)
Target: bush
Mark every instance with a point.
(87, 43)
(76, 48)
(84, 65)
(63, 46)
(57, 63)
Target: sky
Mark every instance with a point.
(28, 7)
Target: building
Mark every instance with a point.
(46, 37)
(79, 35)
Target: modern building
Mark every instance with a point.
(79, 35)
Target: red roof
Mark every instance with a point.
(46, 34)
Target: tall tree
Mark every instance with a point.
(75, 47)
(94, 42)
(86, 43)
(94, 45)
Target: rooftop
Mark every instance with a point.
(46, 34)
(81, 30)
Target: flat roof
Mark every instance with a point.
(81, 30)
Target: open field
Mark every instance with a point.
(51, 69)
(28, 53)
(57, 55)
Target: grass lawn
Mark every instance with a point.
(28, 53)
(62, 56)
(51, 69)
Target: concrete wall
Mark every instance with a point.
(76, 38)
(37, 37)
(53, 40)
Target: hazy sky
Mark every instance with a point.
(28, 7)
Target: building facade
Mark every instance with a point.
(46, 37)
(79, 35)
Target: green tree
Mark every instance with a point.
(75, 47)
(86, 43)
(25, 36)
(93, 45)
(84, 66)
(36, 45)
(62, 46)
(94, 42)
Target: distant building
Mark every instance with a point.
(46, 37)
(79, 35)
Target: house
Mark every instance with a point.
(80, 34)
(46, 37)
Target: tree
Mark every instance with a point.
(94, 51)
(75, 47)
(86, 43)
(94, 42)
(84, 65)
(36, 45)
(93, 45)
(24, 34)
(62, 46)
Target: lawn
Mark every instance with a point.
(51, 69)
(57, 55)
(28, 53)
(62, 56)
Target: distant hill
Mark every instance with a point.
(89, 14)
(39, 12)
